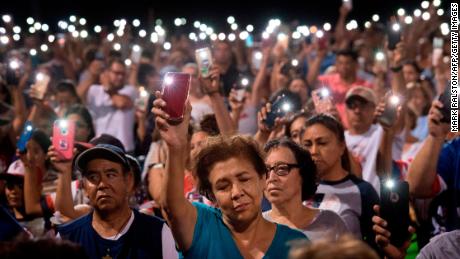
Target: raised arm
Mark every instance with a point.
(180, 213)
(422, 171)
(211, 87)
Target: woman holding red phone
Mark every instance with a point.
(232, 173)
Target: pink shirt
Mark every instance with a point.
(339, 89)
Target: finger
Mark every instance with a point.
(160, 113)
(162, 124)
(381, 240)
(381, 231)
(158, 94)
(376, 209)
(379, 221)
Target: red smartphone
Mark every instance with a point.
(63, 138)
(175, 92)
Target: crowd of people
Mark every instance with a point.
(306, 142)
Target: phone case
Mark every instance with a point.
(25, 136)
(444, 98)
(394, 208)
(388, 116)
(136, 55)
(63, 138)
(41, 85)
(142, 100)
(204, 60)
(176, 88)
(322, 103)
(277, 111)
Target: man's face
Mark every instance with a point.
(345, 66)
(360, 113)
(106, 186)
(117, 75)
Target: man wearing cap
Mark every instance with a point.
(364, 138)
(113, 229)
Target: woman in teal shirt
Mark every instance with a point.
(232, 174)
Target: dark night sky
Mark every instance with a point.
(214, 13)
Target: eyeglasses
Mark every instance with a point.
(281, 169)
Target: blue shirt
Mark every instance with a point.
(143, 239)
(449, 169)
(212, 238)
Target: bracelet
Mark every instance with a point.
(396, 69)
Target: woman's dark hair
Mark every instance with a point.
(86, 116)
(425, 87)
(221, 148)
(67, 86)
(307, 168)
(209, 125)
(336, 127)
(414, 65)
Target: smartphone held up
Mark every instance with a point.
(176, 87)
(394, 209)
(63, 138)
(204, 60)
(389, 115)
(25, 137)
(40, 86)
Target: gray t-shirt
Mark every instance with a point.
(443, 246)
(326, 224)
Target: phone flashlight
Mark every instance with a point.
(29, 128)
(143, 92)
(286, 107)
(258, 55)
(389, 183)
(40, 77)
(168, 80)
(14, 64)
(324, 92)
(379, 56)
(245, 82)
(136, 48)
(63, 124)
(396, 27)
(394, 100)
(294, 62)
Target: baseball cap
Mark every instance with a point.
(15, 170)
(362, 92)
(102, 151)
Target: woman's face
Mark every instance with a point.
(410, 74)
(299, 87)
(418, 100)
(82, 130)
(296, 128)
(324, 146)
(238, 190)
(35, 153)
(197, 142)
(280, 187)
(14, 191)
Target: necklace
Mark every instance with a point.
(107, 256)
